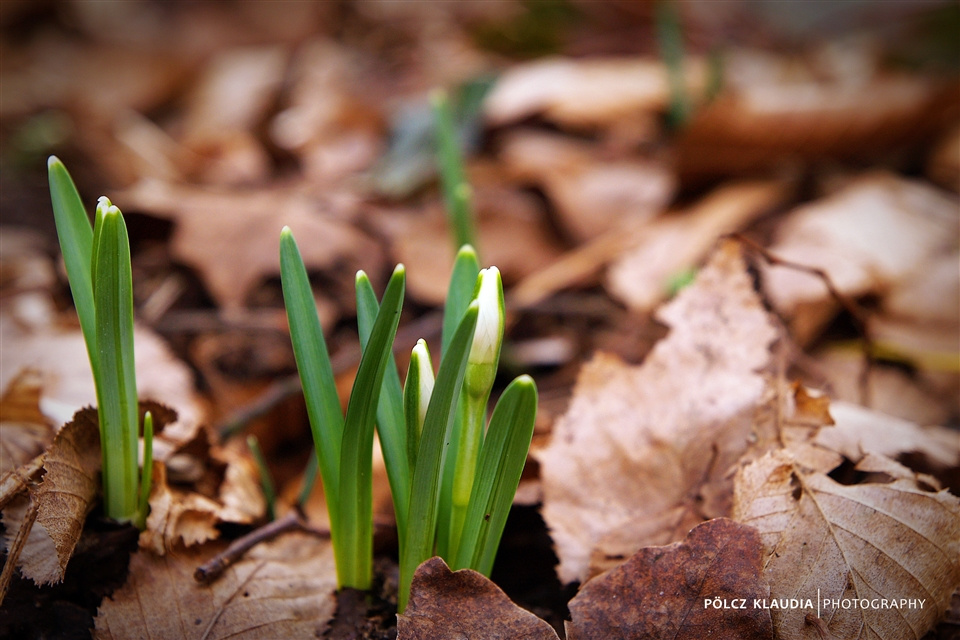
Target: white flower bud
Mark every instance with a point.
(488, 336)
(421, 356)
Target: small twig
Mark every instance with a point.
(214, 568)
(857, 314)
(211, 570)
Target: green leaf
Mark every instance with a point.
(76, 244)
(266, 480)
(502, 458)
(463, 281)
(437, 425)
(313, 363)
(390, 419)
(354, 550)
(117, 391)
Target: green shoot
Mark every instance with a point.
(101, 281)
(670, 39)
(452, 476)
(456, 190)
(266, 481)
(344, 445)
(146, 480)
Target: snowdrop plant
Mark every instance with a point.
(97, 260)
(432, 428)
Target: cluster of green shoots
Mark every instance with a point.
(97, 259)
(452, 475)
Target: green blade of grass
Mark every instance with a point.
(266, 480)
(309, 479)
(456, 190)
(502, 458)
(422, 514)
(313, 363)
(76, 244)
(390, 419)
(146, 476)
(354, 551)
(117, 391)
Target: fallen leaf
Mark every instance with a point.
(677, 242)
(629, 462)
(877, 233)
(280, 589)
(24, 431)
(586, 93)
(464, 604)
(591, 195)
(943, 166)
(64, 498)
(668, 592)
(831, 543)
(231, 237)
(775, 107)
(859, 431)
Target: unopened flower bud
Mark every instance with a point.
(420, 357)
(488, 336)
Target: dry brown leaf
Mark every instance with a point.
(65, 497)
(639, 446)
(60, 356)
(943, 167)
(586, 93)
(232, 237)
(669, 592)
(675, 243)
(829, 544)
(591, 195)
(859, 431)
(465, 605)
(876, 234)
(24, 431)
(776, 109)
(891, 390)
(280, 589)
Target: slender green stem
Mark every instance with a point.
(670, 39)
(146, 476)
(456, 190)
(266, 481)
(470, 440)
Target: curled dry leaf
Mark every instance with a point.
(668, 592)
(231, 237)
(464, 604)
(639, 447)
(672, 244)
(877, 233)
(65, 497)
(280, 589)
(828, 543)
(586, 93)
(591, 195)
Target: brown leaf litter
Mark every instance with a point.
(663, 592)
(628, 463)
(464, 604)
(896, 540)
(280, 589)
